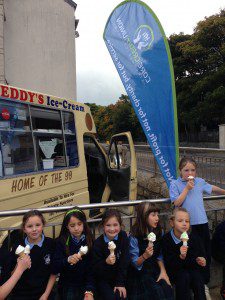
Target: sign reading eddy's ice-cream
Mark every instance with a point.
(37, 132)
(22, 95)
(12, 93)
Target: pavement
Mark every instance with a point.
(215, 293)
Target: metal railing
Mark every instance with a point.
(10, 213)
(211, 162)
(164, 215)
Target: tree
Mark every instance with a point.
(116, 118)
(103, 120)
(199, 64)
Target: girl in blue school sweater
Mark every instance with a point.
(187, 191)
(76, 280)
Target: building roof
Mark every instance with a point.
(72, 3)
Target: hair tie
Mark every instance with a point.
(75, 210)
(67, 241)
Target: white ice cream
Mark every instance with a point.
(184, 238)
(19, 250)
(83, 250)
(151, 237)
(111, 247)
(27, 249)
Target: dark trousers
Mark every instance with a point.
(14, 297)
(105, 290)
(167, 289)
(186, 280)
(220, 257)
(202, 230)
(70, 293)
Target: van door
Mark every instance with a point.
(122, 169)
(97, 171)
(113, 177)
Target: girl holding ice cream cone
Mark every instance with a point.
(72, 257)
(147, 277)
(184, 257)
(111, 257)
(37, 281)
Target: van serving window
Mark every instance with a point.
(34, 139)
(70, 138)
(17, 151)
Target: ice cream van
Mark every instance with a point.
(49, 156)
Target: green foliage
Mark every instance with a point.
(199, 66)
(116, 118)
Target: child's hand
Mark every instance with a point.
(111, 259)
(163, 275)
(190, 184)
(73, 259)
(88, 297)
(148, 251)
(23, 263)
(122, 291)
(201, 261)
(183, 252)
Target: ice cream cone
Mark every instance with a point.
(83, 250)
(191, 178)
(20, 251)
(184, 242)
(184, 238)
(112, 252)
(112, 247)
(27, 250)
(151, 239)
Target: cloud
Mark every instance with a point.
(97, 78)
(99, 86)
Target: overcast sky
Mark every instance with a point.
(97, 79)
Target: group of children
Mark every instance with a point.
(118, 265)
(187, 192)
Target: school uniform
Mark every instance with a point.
(195, 206)
(15, 237)
(110, 276)
(141, 283)
(33, 281)
(218, 247)
(185, 274)
(75, 279)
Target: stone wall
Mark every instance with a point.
(150, 186)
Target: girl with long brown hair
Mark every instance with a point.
(73, 264)
(147, 277)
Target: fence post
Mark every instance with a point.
(155, 166)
